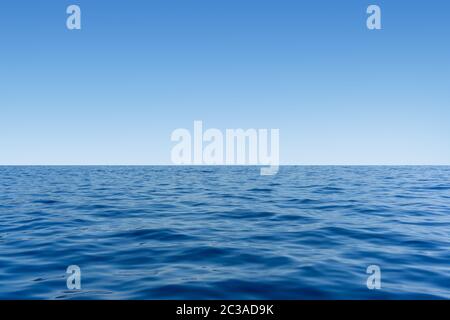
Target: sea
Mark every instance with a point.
(205, 232)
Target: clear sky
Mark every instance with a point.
(112, 92)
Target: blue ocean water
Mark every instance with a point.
(224, 232)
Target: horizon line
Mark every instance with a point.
(225, 165)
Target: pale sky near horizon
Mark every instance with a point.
(113, 92)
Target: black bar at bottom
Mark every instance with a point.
(226, 309)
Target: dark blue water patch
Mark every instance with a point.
(329, 190)
(46, 201)
(193, 203)
(232, 196)
(151, 234)
(439, 187)
(263, 190)
(298, 218)
(224, 232)
(303, 201)
(246, 214)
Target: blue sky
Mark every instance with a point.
(113, 92)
